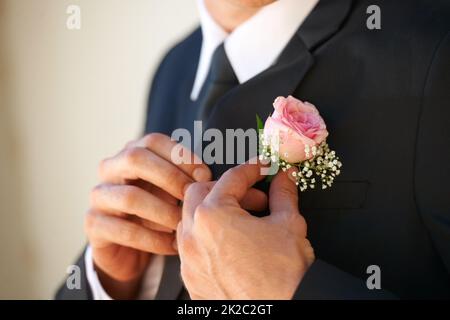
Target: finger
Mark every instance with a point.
(195, 195)
(148, 224)
(172, 151)
(234, 184)
(126, 233)
(283, 196)
(133, 200)
(140, 163)
(158, 192)
(254, 200)
(143, 222)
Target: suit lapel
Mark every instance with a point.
(257, 94)
(324, 21)
(238, 108)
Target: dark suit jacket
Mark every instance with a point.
(384, 95)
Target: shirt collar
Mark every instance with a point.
(256, 44)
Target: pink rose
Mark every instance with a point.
(298, 125)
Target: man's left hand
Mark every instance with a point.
(226, 253)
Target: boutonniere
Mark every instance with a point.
(295, 136)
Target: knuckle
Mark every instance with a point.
(302, 224)
(95, 193)
(194, 189)
(185, 243)
(173, 176)
(102, 166)
(203, 210)
(296, 219)
(307, 253)
(202, 215)
(296, 222)
(130, 143)
(129, 196)
(89, 222)
(133, 156)
(128, 233)
(152, 139)
(177, 180)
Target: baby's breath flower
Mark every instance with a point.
(321, 168)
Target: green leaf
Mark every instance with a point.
(259, 123)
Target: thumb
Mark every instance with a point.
(283, 195)
(283, 198)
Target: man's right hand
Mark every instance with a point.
(134, 211)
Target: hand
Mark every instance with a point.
(135, 210)
(228, 254)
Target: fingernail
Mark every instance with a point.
(201, 174)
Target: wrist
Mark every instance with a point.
(119, 289)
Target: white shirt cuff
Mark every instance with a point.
(98, 293)
(150, 284)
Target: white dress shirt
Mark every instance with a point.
(251, 48)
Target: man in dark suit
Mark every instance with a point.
(384, 95)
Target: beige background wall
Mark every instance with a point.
(67, 100)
